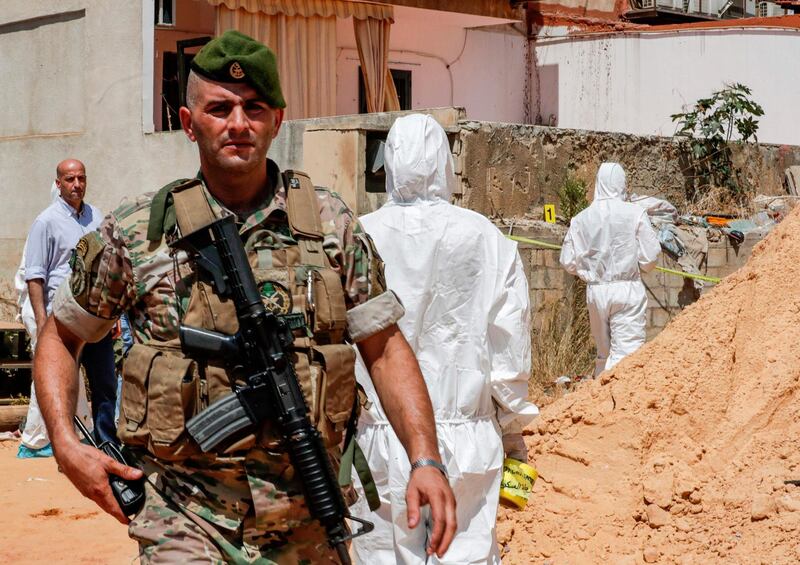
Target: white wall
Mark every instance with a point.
(487, 77)
(632, 82)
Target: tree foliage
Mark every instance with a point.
(727, 115)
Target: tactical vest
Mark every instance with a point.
(163, 388)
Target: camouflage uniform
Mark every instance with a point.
(247, 507)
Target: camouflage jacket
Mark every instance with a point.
(116, 269)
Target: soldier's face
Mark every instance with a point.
(232, 125)
(71, 183)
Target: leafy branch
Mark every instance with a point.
(727, 115)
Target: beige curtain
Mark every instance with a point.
(306, 51)
(309, 8)
(372, 41)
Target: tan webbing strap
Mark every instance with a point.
(192, 210)
(302, 205)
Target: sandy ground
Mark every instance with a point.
(44, 519)
(681, 453)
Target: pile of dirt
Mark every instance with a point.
(679, 454)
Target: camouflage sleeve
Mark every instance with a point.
(371, 307)
(101, 286)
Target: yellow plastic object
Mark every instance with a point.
(517, 484)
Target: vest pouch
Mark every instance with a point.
(330, 312)
(173, 398)
(337, 390)
(308, 377)
(132, 427)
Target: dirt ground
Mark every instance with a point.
(44, 519)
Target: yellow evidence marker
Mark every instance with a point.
(550, 213)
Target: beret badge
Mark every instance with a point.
(236, 71)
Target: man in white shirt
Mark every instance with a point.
(35, 440)
(51, 240)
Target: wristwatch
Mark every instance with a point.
(425, 462)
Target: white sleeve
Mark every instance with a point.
(647, 244)
(37, 251)
(567, 258)
(510, 348)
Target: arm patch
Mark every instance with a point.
(86, 252)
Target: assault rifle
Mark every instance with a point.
(261, 352)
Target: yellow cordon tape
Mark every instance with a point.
(553, 246)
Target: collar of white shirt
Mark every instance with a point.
(70, 211)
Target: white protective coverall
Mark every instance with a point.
(467, 319)
(607, 246)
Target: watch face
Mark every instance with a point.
(276, 297)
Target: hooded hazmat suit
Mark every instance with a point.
(467, 319)
(608, 244)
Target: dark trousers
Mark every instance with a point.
(98, 362)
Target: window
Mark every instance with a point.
(174, 76)
(763, 9)
(170, 97)
(402, 82)
(164, 12)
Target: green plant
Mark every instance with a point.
(728, 114)
(572, 197)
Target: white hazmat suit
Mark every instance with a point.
(467, 319)
(608, 244)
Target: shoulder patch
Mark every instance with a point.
(87, 250)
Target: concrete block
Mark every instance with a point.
(551, 258)
(657, 296)
(661, 317)
(717, 256)
(651, 333)
(540, 278)
(538, 258)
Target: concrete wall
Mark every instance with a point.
(632, 82)
(512, 170)
(452, 63)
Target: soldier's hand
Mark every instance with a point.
(427, 485)
(88, 468)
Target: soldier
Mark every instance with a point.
(311, 259)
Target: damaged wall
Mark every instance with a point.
(511, 170)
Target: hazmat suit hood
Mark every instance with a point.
(419, 166)
(610, 183)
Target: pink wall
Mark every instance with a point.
(487, 66)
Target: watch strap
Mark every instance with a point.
(425, 462)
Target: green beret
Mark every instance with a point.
(235, 57)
